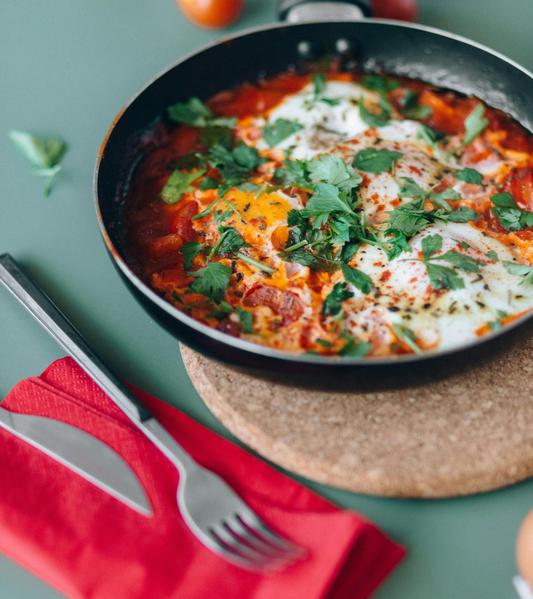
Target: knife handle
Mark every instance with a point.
(50, 317)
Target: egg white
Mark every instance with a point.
(402, 293)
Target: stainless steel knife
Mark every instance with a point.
(84, 454)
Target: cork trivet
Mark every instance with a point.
(467, 434)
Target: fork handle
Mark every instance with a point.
(52, 320)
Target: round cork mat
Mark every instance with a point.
(467, 434)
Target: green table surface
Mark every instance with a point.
(67, 68)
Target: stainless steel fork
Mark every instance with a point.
(213, 512)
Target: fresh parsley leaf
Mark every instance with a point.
(510, 218)
(379, 84)
(319, 84)
(406, 336)
(354, 348)
(212, 136)
(462, 215)
(443, 277)
(375, 161)
(247, 320)
(313, 261)
(332, 304)
(504, 200)
(348, 251)
(208, 183)
(397, 244)
(255, 263)
(196, 114)
(280, 130)
(430, 136)
(326, 199)
(475, 123)
(230, 240)
(356, 277)
(463, 244)
(44, 153)
(248, 187)
(462, 261)
(235, 165)
(211, 281)
(189, 251)
(408, 219)
(469, 175)
(294, 173)
(520, 270)
(324, 342)
(492, 255)
(431, 245)
(371, 119)
(178, 184)
(411, 108)
(439, 199)
(411, 189)
(334, 171)
(221, 311)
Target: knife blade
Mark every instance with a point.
(81, 452)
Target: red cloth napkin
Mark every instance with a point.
(87, 544)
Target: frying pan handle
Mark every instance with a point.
(299, 11)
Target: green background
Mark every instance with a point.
(66, 68)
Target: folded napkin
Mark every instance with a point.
(87, 544)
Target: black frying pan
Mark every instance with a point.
(401, 49)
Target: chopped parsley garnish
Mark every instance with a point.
(497, 325)
(256, 263)
(520, 270)
(280, 130)
(247, 320)
(492, 255)
(475, 123)
(406, 336)
(189, 251)
(332, 307)
(430, 136)
(469, 175)
(208, 183)
(412, 109)
(230, 240)
(44, 153)
(319, 87)
(375, 120)
(412, 217)
(375, 161)
(354, 348)
(357, 278)
(443, 277)
(212, 281)
(510, 215)
(178, 184)
(195, 113)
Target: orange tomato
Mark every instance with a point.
(211, 14)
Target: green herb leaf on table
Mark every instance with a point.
(279, 131)
(375, 161)
(178, 184)
(44, 153)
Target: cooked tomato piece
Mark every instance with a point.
(183, 223)
(284, 303)
(162, 246)
(520, 186)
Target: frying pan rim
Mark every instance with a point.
(248, 346)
